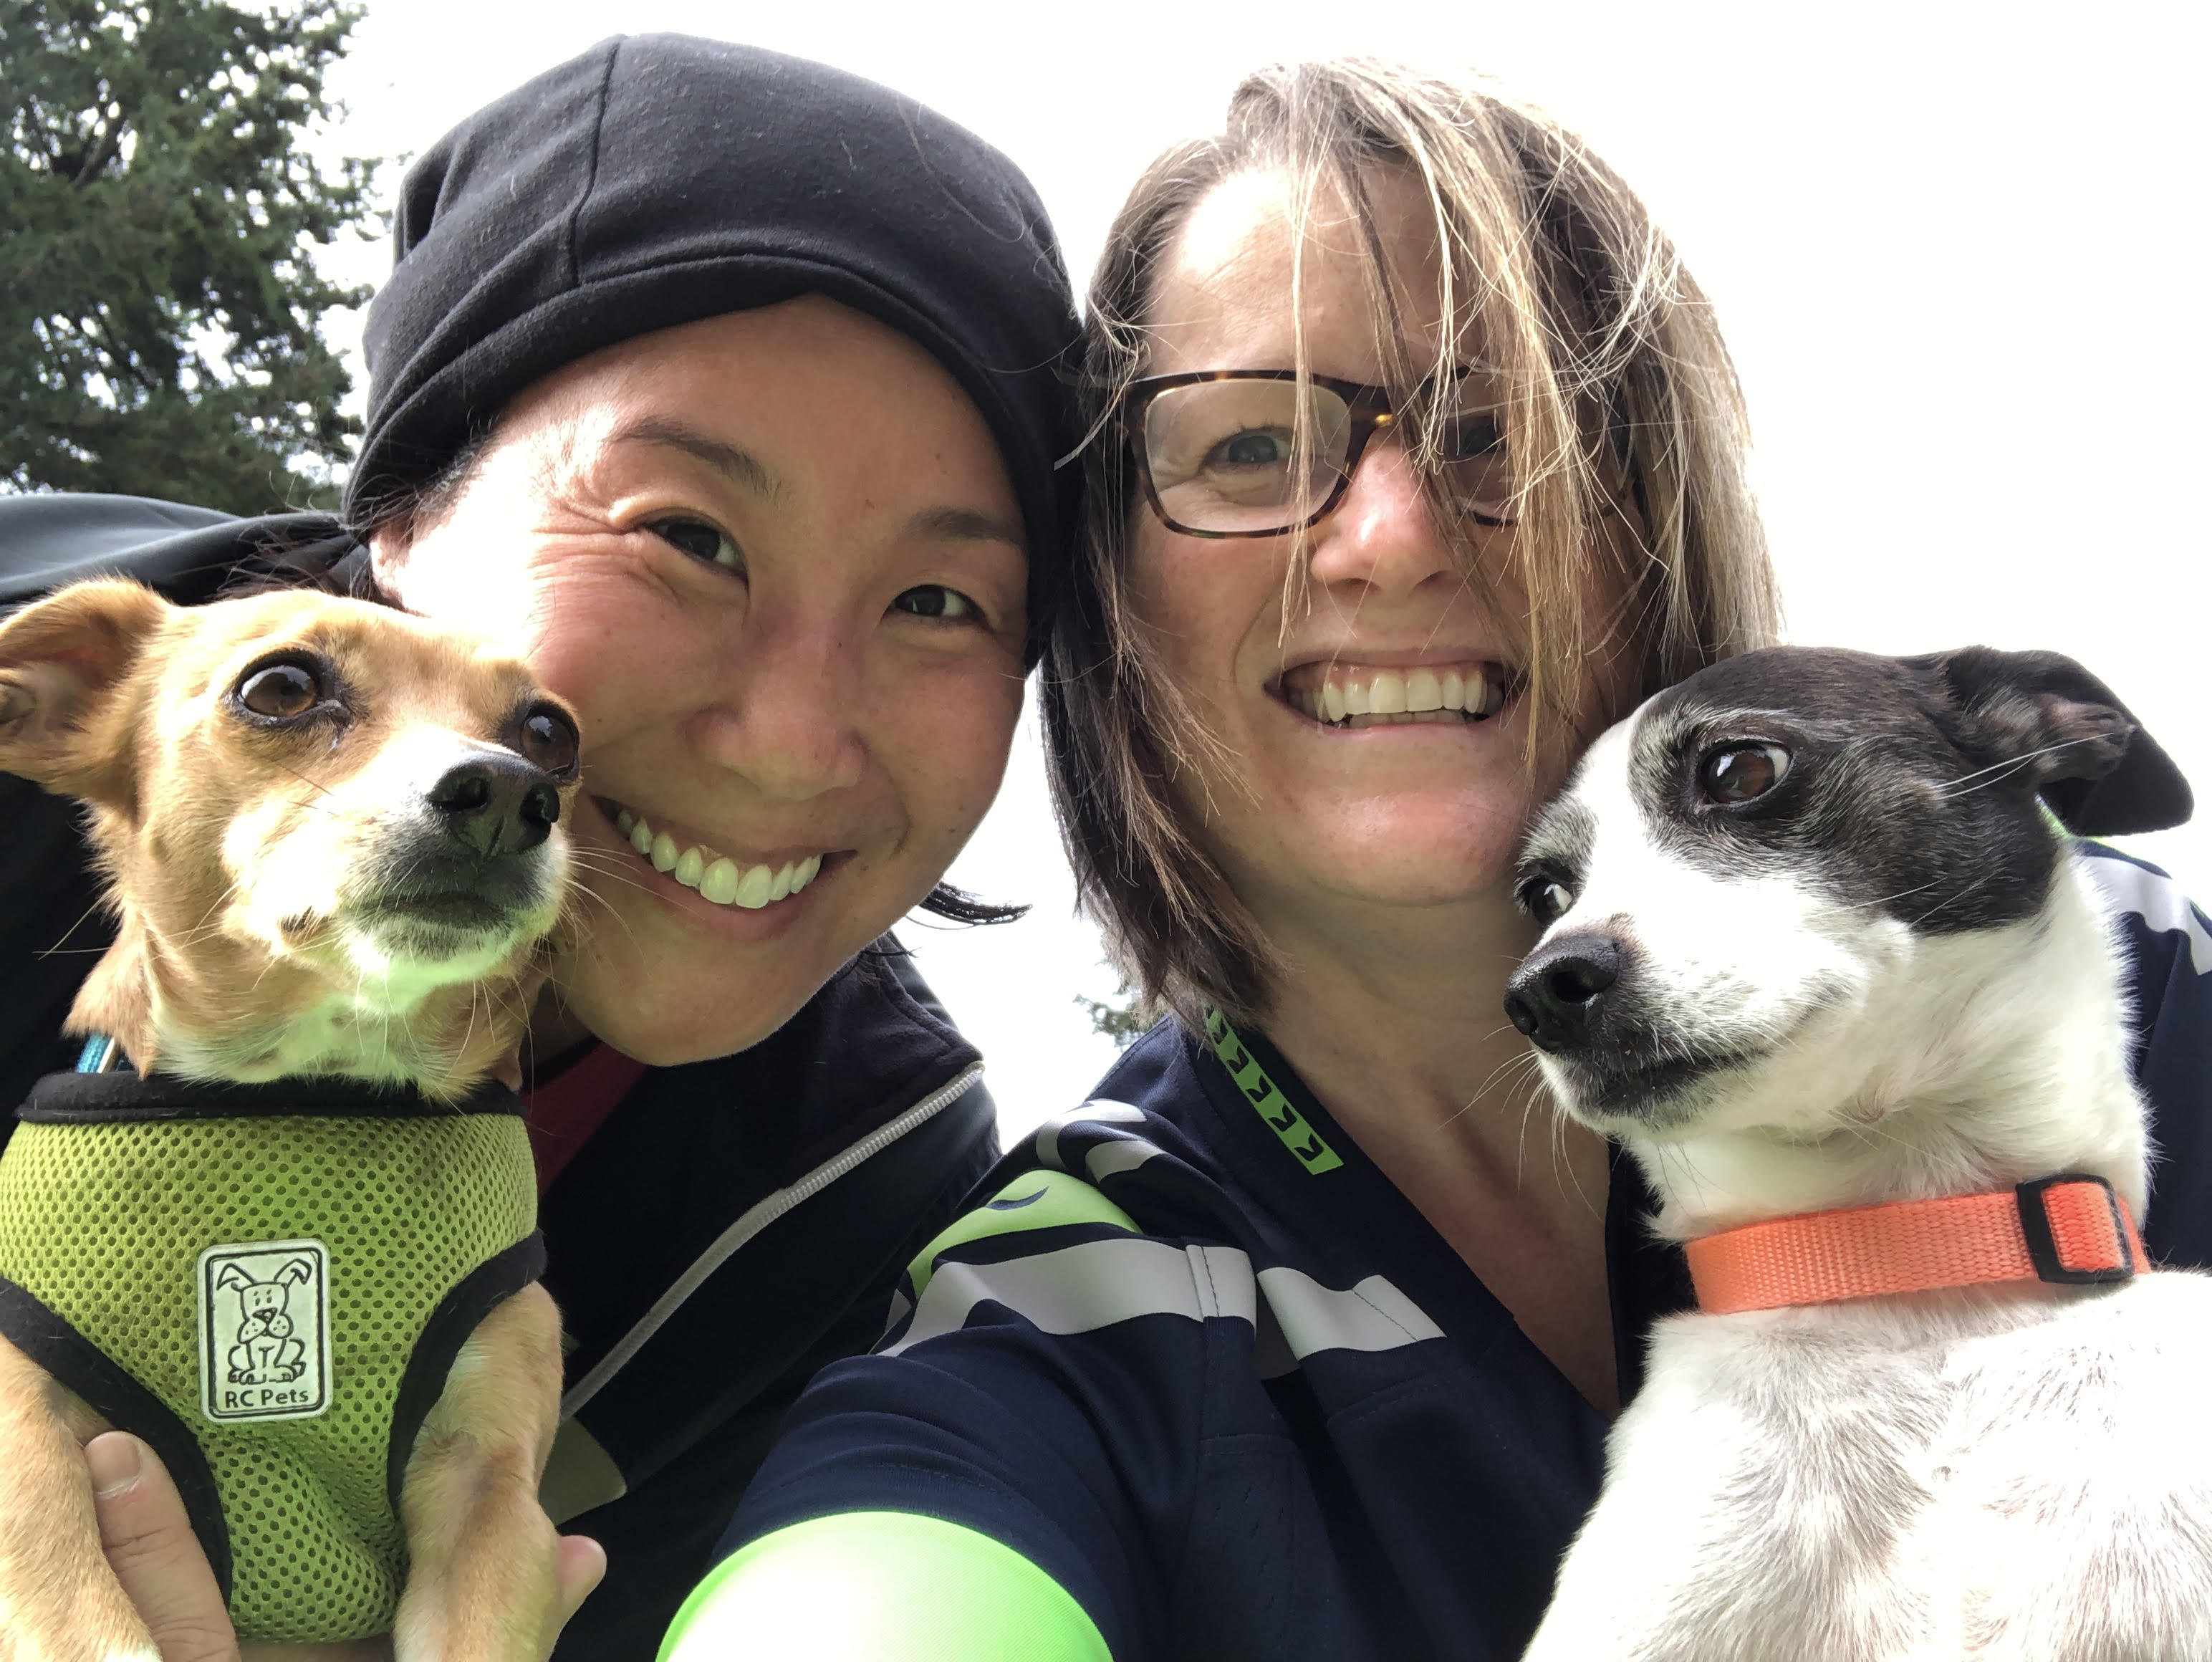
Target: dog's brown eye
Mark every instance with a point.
(1545, 899)
(1742, 773)
(549, 740)
(280, 691)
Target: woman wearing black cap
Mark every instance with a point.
(724, 385)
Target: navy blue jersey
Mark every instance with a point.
(1199, 1360)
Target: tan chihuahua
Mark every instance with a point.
(332, 834)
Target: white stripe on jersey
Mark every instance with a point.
(2156, 899)
(1095, 1284)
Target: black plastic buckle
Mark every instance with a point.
(2043, 1250)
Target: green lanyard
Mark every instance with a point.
(1264, 1094)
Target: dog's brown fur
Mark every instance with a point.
(242, 861)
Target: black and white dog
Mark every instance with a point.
(1814, 942)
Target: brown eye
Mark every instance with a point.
(1545, 899)
(550, 741)
(1742, 773)
(280, 691)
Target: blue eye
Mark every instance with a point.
(1258, 446)
(935, 600)
(1468, 436)
(701, 539)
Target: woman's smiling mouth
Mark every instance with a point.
(715, 875)
(1352, 695)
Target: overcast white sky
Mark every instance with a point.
(1959, 250)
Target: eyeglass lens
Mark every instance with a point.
(1223, 454)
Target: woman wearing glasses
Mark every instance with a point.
(1419, 459)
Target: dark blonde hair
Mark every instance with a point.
(1622, 419)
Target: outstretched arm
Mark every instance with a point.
(882, 1586)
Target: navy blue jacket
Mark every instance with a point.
(1240, 1400)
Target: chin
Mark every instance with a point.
(666, 1003)
(662, 1035)
(1441, 859)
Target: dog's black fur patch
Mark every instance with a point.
(1913, 782)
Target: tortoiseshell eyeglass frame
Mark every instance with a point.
(1371, 408)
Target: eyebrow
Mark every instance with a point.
(741, 467)
(966, 524)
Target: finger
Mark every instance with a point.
(577, 1571)
(152, 1550)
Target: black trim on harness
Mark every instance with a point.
(2043, 1248)
(48, 1339)
(465, 1305)
(115, 1097)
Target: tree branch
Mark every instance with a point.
(111, 135)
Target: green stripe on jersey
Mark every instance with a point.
(1296, 1133)
(880, 1587)
(1036, 1200)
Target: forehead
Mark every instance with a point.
(806, 402)
(1224, 297)
(1827, 695)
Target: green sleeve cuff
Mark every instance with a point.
(882, 1586)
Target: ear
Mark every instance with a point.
(2077, 744)
(231, 1275)
(61, 661)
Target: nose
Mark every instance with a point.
(1558, 995)
(785, 718)
(1383, 533)
(497, 804)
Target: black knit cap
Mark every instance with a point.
(659, 179)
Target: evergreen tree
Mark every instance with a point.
(1125, 1018)
(160, 321)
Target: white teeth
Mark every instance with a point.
(717, 878)
(1362, 698)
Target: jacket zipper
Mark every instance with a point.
(756, 1218)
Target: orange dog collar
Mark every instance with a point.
(2068, 1228)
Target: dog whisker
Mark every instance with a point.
(2005, 769)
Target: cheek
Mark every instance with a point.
(578, 629)
(1201, 602)
(943, 740)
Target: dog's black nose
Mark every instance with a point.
(1559, 992)
(497, 804)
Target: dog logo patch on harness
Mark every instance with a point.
(265, 1323)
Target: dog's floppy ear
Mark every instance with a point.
(61, 662)
(2086, 755)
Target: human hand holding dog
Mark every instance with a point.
(150, 1546)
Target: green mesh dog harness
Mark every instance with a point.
(269, 1284)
